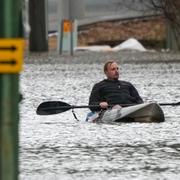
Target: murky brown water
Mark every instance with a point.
(58, 147)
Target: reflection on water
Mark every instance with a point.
(59, 147)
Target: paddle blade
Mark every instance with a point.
(52, 107)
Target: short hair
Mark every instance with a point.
(107, 64)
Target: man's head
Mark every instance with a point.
(111, 70)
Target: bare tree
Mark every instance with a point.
(136, 5)
(169, 8)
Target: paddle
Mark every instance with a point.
(170, 104)
(55, 107)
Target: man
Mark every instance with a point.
(112, 91)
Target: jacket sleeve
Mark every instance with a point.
(135, 94)
(95, 98)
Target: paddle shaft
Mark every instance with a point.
(169, 104)
(97, 106)
(54, 107)
(123, 105)
(73, 107)
(84, 106)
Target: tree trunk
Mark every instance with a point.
(37, 19)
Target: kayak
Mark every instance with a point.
(146, 113)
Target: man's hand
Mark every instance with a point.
(104, 105)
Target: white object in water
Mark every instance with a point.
(130, 44)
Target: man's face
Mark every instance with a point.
(112, 71)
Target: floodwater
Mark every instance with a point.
(59, 147)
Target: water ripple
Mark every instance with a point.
(59, 147)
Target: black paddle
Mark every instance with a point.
(170, 104)
(55, 107)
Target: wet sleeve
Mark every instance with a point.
(136, 95)
(95, 98)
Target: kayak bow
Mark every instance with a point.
(147, 112)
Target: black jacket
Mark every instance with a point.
(114, 92)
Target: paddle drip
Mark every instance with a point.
(75, 115)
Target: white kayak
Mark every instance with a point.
(146, 112)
